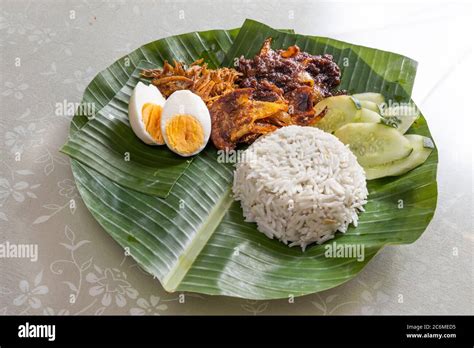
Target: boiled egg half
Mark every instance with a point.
(145, 112)
(185, 123)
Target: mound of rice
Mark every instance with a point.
(300, 185)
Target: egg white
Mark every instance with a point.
(185, 102)
(141, 95)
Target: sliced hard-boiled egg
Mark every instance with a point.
(185, 123)
(144, 112)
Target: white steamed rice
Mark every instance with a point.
(300, 185)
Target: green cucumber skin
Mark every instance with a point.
(356, 103)
(376, 98)
(370, 105)
(374, 144)
(417, 157)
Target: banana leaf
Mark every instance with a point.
(196, 238)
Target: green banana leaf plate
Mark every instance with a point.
(177, 217)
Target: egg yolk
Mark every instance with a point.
(151, 117)
(185, 134)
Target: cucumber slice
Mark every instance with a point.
(376, 98)
(422, 148)
(369, 116)
(400, 117)
(374, 144)
(337, 111)
(370, 105)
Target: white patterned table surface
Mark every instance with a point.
(48, 57)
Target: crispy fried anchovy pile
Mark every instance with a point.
(209, 84)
